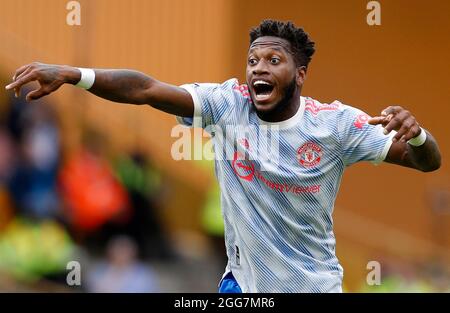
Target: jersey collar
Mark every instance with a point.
(290, 122)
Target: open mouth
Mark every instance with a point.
(263, 90)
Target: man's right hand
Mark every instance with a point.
(118, 85)
(50, 78)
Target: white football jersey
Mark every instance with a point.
(279, 182)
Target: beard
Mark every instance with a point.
(288, 93)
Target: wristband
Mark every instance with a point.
(87, 78)
(420, 139)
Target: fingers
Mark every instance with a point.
(391, 110)
(397, 119)
(414, 131)
(383, 120)
(396, 122)
(24, 73)
(22, 81)
(43, 91)
(20, 70)
(401, 133)
(404, 123)
(20, 73)
(36, 94)
(376, 120)
(46, 76)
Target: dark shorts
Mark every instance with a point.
(229, 284)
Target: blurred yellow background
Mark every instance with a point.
(396, 216)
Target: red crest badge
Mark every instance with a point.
(309, 154)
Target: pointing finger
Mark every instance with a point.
(22, 81)
(376, 120)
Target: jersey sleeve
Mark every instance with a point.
(212, 102)
(361, 141)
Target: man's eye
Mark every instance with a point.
(252, 61)
(274, 60)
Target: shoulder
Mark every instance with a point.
(239, 90)
(317, 110)
(230, 90)
(229, 85)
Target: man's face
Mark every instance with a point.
(271, 73)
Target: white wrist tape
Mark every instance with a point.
(87, 78)
(418, 140)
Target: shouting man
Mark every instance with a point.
(278, 215)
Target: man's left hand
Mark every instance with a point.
(398, 119)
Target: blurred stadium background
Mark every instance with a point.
(92, 181)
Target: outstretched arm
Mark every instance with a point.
(125, 86)
(425, 157)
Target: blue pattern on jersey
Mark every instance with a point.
(278, 203)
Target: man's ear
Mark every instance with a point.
(300, 75)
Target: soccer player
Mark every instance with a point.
(278, 214)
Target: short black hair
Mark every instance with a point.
(301, 44)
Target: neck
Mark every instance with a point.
(284, 110)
